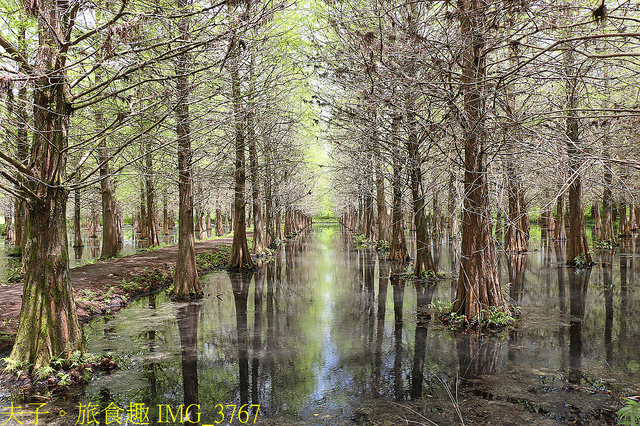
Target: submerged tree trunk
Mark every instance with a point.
(110, 230)
(515, 240)
(185, 277)
(381, 203)
(595, 211)
(623, 224)
(452, 214)
(560, 233)
(258, 221)
(424, 261)
(478, 285)
(577, 244)
(398, 242)
(240, 255)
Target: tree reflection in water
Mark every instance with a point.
(187, 318)
(424, 295)
(240, 283)
(398, 300)
(578, 281)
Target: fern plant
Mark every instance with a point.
(630, 413)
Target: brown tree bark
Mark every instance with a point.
(551, 223)
(142, 222)
(269, 237)
(278, 222)
(165, 215)
(48, 323)
(478, 285)
(185, 277)
(219, 223)
(515, 240)
(381, 203)
(595, 211)
(577, 244)
(424, 261)
(623, 223)
(152, 221)
(499, 231)
(560, 232)
(77, 233)
(258, 220)
(452, 214)
(398, 250)
(240, 255)
(110, 229)
(22, 139)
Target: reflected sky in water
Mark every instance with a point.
(327, 326)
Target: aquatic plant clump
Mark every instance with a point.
(492, 318)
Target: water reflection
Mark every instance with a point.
(578, 282)
(240, 283)
(477, 355)
(187, 318)
(314, 333)
(424, 295)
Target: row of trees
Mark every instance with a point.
(477, 110)
(140, 103)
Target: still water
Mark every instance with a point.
(327, 328)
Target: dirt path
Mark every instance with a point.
(105, 286)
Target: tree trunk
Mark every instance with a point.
(595, 211)
(48, 323)
(577, 244)
(165, 216)
(560, 232)
(452, 214)
(478, 285)
(219, 224)
(142, 223)
(381, 203)
(185, 277)
(424, 261)
(268, 205)
(109, 223)
(152, 221)
(77, 235)
(515, 240)
(550, 223)
(22, 142)
(278, 213)
(258, 221)
(187, 318)
(398, 250)
(623, 224)
(240, 255)
(499, 226)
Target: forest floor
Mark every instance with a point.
(108, 286)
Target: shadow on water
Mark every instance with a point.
(330, 333)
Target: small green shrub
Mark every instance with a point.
(604, 245)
